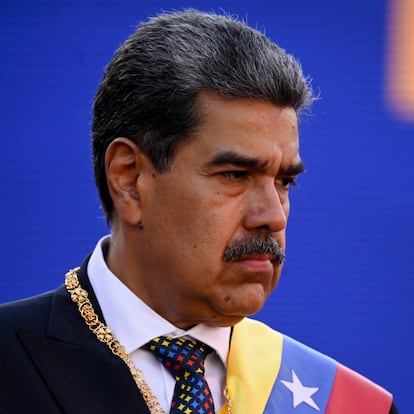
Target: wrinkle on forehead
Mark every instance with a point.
(246, 132)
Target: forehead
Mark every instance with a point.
(250, 127)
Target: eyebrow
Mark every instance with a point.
(238, 160)
(294, 169)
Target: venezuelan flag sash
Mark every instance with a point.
(288, 377)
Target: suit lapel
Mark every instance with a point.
(82, 373)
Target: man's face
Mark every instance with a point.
(212, 224)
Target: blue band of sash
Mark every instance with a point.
(312, 369)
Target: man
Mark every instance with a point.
(195, 144)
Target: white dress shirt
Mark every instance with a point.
(134, 323)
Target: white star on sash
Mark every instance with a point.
(301, 394)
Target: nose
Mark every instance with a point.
(267, 209)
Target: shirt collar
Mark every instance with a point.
(135, 323)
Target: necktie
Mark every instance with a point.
(184, 359)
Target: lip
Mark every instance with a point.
(259, 257)
(258, 263)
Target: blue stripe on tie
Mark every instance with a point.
(312, 369)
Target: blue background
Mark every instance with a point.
(348, 283)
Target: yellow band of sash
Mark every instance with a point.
(253, 364)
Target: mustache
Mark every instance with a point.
(256, 243)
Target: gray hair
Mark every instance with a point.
(149, 89)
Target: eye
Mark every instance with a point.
(287, 182)
(235, 175)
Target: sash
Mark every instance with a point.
(270, 373)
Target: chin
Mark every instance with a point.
(235, 314)
(237, 304)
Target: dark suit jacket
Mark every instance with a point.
(51, 363)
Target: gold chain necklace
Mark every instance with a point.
(104, 334)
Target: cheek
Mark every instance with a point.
(202, 242)
(197, 224)
(205, 236)
(197, 212)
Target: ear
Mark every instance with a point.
(124, 163)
